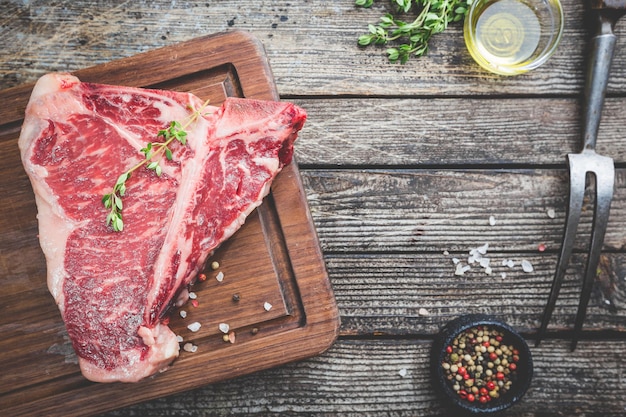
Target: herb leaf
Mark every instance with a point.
(411, 38)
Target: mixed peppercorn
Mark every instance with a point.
(479, 365)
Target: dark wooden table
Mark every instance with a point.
(403, 166)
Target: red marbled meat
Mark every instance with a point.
(114, 288)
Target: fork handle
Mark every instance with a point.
(599, 65)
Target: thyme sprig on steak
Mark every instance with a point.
(153, 154)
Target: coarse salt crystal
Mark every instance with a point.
(194, 327)
(445, 252)
(551, 213)
(476, 254)
(503, 275)
(461, 270)
(484, 262)
(527, 266)
(492, 220)
(179, 339)
(423, 312)
(267, 306)
(190, 347)
(224, 327)
(193, 295)
(402, 372)
(455, 260)
(183, 313)
(220, 276)
(488, 270)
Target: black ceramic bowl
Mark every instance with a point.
(520, 378)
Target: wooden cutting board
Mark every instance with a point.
(274, 258)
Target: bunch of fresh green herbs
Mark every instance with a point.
(411, 38)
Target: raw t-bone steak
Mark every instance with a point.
(114, 288)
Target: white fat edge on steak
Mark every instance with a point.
(54, 225)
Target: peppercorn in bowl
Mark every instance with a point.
(480, 365)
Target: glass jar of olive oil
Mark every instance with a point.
(510, 37)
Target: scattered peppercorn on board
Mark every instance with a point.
(263, 300)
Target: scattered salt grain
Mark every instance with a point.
(527, 266)
(220, 276)
(194, 327)
(461, 269)
(190, 347)
(488, 270)
(179, 339)
(476, 254)
(455, 260)
(551, 213)
(492, 221)
(183, 313)
(224, 327)
(445, 252)
(193, 295)
(267, 306)
(423, 312)
(503, 275)
(508, 262)
(402, 372)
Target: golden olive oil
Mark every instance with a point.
(507, 35)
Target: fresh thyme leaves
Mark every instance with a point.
(113, 201)
(174, 132)
(153, 154)
(411, 38)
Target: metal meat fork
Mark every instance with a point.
(605, 15)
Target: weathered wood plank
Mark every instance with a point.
(361, 377)
(451, 131)
(411, 210)
(311, 45)
(415, 294)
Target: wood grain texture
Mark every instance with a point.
(68, 35)
(434, 210)
(358, 377)
(399, 164)
(452, 132)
